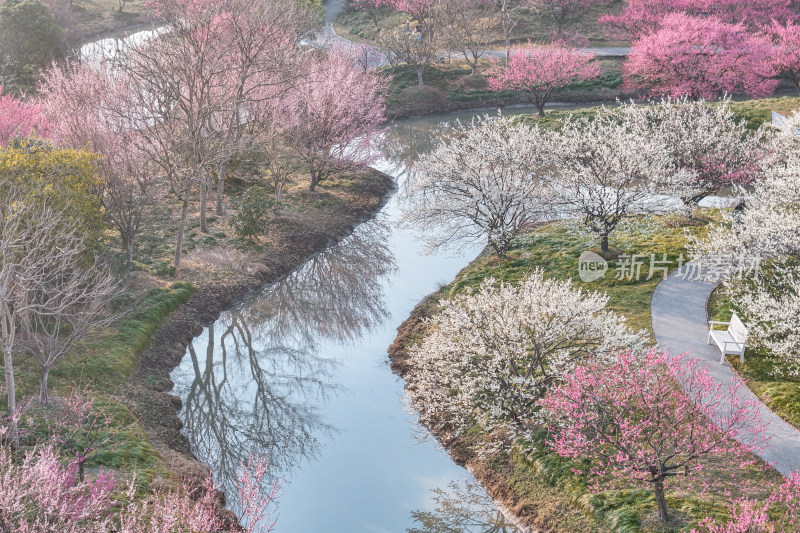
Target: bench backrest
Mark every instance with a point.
(737, 330)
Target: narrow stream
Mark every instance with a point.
(300, 372)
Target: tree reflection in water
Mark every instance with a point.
(463, 507)
(253, 381)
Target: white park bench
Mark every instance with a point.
(731, 340)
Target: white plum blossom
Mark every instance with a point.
(491, 354)
(605, 169)
(486, 180)
(765, 238)
(772, 307)
(708, 148)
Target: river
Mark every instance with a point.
(300, 372)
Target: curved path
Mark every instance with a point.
(680, 324)
(333, 8)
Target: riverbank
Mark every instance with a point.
(127, 368)
(536, 486)
(148, 390)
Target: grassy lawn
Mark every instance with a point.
(450, 85)
(545, 485)
(99, 369)
(359, 26)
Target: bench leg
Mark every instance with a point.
(708, 341)
(741, 358)
(722, 358)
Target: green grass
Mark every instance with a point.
(544, 481)
(99, 369)
(555, 249)
(359, 26)
(755, 113)
(763, 373)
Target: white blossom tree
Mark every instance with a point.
(605, 171)
(491, 354)
(485, 180)
(709, 148)
(763, 239)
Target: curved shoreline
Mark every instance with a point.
(507, 500)
(147, 392)
(527, 513)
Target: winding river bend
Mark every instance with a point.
(300, 372)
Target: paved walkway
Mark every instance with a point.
(680, 325)
(328, 37)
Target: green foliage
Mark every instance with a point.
(67, 179)
(29, 42)
(252, 219)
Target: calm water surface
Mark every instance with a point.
(300, 372)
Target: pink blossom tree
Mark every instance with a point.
(41, 492)
(642, 421)
(332, 118)
(780, 512)
(19, 118)
(700, 57)
(642, 17)
(83, 106)
(538, 71)
(785, 55)
(421, 10)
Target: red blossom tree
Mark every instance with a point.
(644, 420)
(642, 17)
(700, 57)
(538, 71)
(18, 118)
(786, 51)
(331, 120)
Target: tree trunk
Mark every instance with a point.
(604, 242)
(661, 500)
(13, 436)
(181, 230)
(43, 385)
(221, 187)
(203, 202)
(540, 107)
(314, 180)
(127, 242)
(419, 78)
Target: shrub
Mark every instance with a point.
(252, 219)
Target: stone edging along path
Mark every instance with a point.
(680, 325)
